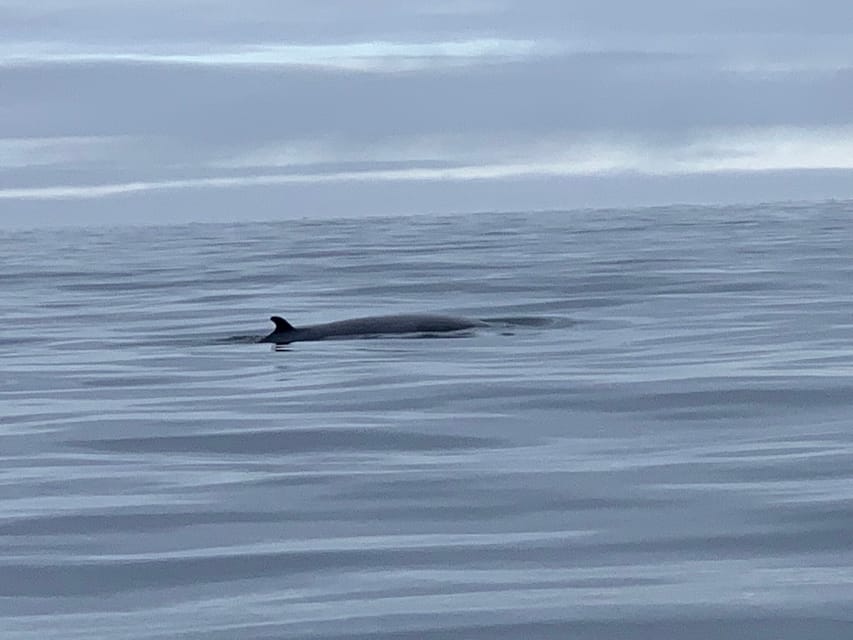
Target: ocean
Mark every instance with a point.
(653, 438)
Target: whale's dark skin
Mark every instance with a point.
(285, 333)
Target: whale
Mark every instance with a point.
(414, 323)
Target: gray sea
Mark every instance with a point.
(652, 439)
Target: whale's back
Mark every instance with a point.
(371, 325)
(404, 323)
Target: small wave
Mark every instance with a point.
(554, 322)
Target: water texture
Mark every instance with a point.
(651, 439)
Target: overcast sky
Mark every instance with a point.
(173, 110)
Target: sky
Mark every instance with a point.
(152, 111)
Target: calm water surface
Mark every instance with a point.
(652, 439)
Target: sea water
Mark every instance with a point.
(653, 438)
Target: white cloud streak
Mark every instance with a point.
(771, 149)
(356, 56)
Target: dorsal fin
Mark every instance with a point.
(281, 324)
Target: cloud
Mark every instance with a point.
(157, 21)
(46, 151)
(355, 56)
(772, 149)
(171, 100)
(230, 109)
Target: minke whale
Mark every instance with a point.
(286, 333)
